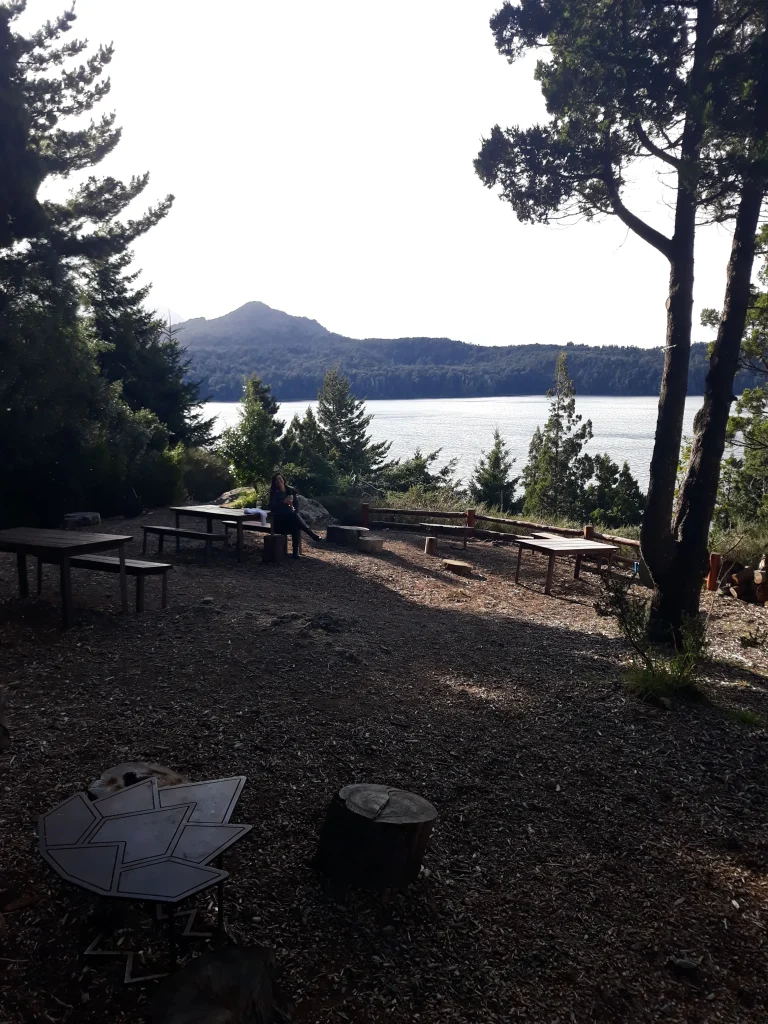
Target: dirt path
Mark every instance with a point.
(595, 858)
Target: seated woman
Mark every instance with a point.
(284, 506)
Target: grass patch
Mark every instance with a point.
(661, 684)
(746, 717)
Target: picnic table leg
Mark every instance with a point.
(239, 540)
(66, 592)
(21, 563)
(519, 558)
(123, 580)
(164, 591)
(577, 569)
(465, 540)
(39, 575)
(178, 539)
(139, 593)
(550, 573)
(608, 565)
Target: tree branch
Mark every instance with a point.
(634, 223)
(653, 148)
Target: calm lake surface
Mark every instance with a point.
(623, 427)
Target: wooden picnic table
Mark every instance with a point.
(554, 546)
(216, 512)
(59, 546)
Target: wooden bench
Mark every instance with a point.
(171, 531)
(106, 563)
(452, 531)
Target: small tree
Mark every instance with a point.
(344, 426)
(557, 472)
(613, 498)
(492, 483)
(252, 447)
(403, 474)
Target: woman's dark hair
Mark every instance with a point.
(274, 480)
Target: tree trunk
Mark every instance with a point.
(699, 491)
(673, 593)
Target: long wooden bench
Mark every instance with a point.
(133, 567)
(171, 531)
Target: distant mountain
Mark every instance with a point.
(291, 353)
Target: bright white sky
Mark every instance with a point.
(321, 158)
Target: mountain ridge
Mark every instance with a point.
(292, 353)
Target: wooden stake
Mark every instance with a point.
(430, 546)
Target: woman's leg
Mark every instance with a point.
(299, 522)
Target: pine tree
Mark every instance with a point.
(491, 483)
(557, 473)
(344, 425)
(252, 446)
(305, 459)
(614, 497)
(142, 352)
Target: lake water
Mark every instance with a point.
(623, 427)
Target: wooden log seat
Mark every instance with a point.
(374, 837)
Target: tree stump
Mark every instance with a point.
(370, 545)
(374, 837)
(430, 546)
(275, 547)
(460, 568)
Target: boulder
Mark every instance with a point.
(78, 520)
(312, 511)
(229, 496)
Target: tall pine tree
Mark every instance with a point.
(558, 471)
(344, 424)
(142, 352)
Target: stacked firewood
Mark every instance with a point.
(750, 584)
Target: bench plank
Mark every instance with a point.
(172, 531)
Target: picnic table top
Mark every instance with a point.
(30, 539)
(216, 511)
(563, 545)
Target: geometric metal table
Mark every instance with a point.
(146, 844)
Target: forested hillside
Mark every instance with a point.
(291, 354)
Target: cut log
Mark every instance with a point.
(743, 576)
(131, 772)
(713, 578)
(460, 568)
(370, 545)
(374, 837)
(430, 546)
(761, 593)
(275, 547)
(762, 565)
(740, 591)
(760, 576)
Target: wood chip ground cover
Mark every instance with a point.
(595, 858)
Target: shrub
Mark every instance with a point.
(206, 474)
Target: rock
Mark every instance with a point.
(312, 511)
(207, 600)
(131, 772)
(684, 966)
(78, 520)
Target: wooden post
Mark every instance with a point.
(589, 532)
(374, 837)
(471, 518)
(519, 558)
(139, 594)
(275, 547)
(365, 515)
(430, 546)
(577, 567)
(65, 583)
(715, 560)
(21, 565)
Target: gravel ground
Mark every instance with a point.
(595, 858)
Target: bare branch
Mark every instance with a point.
(645, 231)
